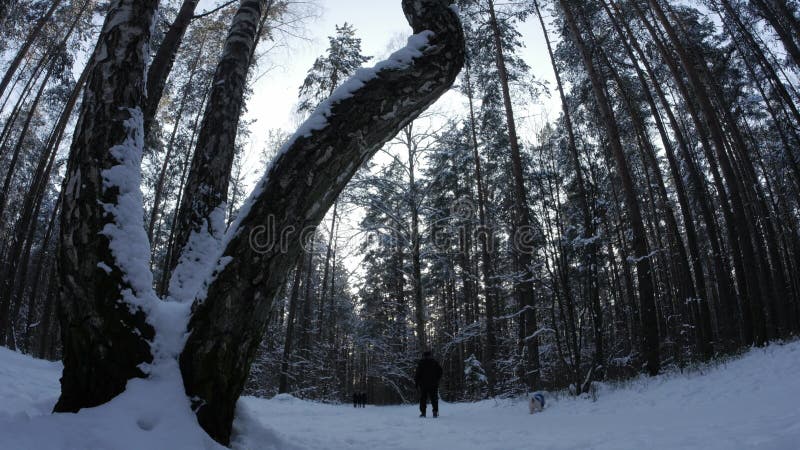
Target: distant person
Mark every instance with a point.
(355, 399)
(427, 378)
(363, 400)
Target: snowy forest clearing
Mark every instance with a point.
(652, 223)
(748, 403)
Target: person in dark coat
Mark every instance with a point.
(355, 399)
(363, 399)
(427, 378)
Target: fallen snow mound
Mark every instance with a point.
(748, 403)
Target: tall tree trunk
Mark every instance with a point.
(288, 343)
(583, 198)
(485, 238)
(163, 284)
(8, 127)
(399, 275)
(48, 59)
(301, 185)
(23, 51)
(752, 310)
(162, 175)
(12, 164)
(326, 270)
(46, 331)
(43, 261)
(704, 334)
(526, 234)
(416, 267)
(105, 337)
(304, 343)
(26, 226)
(787, 34)
(209, 176)
(649, 321)
(678, 259)
(17, 79)
(730, 226)
(164, 59)
(726, 292)
(7, 271)
(778, 84)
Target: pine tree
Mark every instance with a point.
(329, 71)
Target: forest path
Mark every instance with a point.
(747, 403)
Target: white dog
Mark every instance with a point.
(536, 403)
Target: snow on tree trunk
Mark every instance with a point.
(302, 183)
(200, 220)
(103, 292)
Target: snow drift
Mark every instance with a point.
(747, 403)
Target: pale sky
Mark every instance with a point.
(275, 94)
(377, 23)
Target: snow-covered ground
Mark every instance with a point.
(749, 403)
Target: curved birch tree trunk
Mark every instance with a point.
(302, 183)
